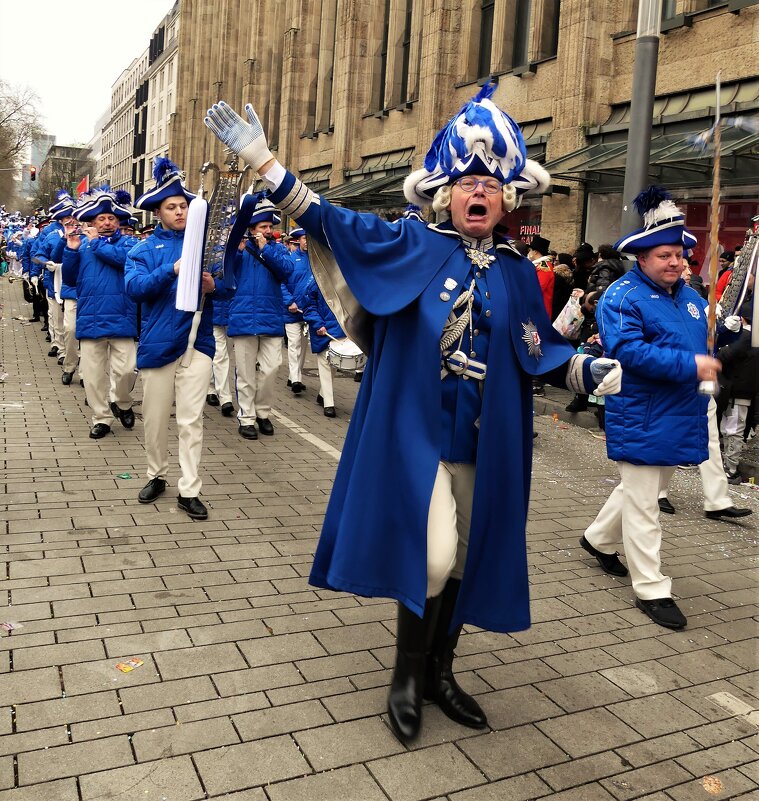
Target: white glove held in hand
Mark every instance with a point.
(732, 323)
(246, 139)
(607, 373)
(35, 280)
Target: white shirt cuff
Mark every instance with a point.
(274, 176)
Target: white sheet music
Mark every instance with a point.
(188, 284)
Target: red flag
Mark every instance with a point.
(83, 186)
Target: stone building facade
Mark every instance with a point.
(352, 92)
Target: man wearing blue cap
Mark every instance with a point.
(174, 368)
(656, 326)
(106, 318)
(256, 319)
(292, 291)
(429, 503)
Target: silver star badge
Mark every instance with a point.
(479, 258)
(531, 338)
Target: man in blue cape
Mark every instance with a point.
(429, 503)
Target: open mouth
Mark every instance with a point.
(476, 211)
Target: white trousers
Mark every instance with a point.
(325, 378)
(631, 517)
(255, 388)
(221, 379)
(448, 523)
(187, 386)
(55, 324)
(99, 357)
(297, 341)
(733, 426)
(70, 342)
(713, 477)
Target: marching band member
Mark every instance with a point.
(429, 504)
(256, 320)
(297, 338)
(151, 280)
(106, 318)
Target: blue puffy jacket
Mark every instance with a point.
(318, 314)
(96, 269)
(658, 418)
(50, 244)
(150, 280)
(295, 286)
(38, 257)
(26, 256)
(256, 309)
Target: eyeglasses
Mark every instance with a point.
(490, 186)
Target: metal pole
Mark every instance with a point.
(641, 110)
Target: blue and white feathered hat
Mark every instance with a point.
(413, 212)
(264, 210)
(296, 233)
(168, 184)
(479, 140)
(663, 223)
(103, 200)
(63, 207)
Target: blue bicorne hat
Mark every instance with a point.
(168, 184)
(104, 200)
(63, 200)
(479, 140)
(63, 207)
(264, 210)
(663, 223)
(296, 233)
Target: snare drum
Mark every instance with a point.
(345, 355)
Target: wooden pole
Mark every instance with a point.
(714, 245)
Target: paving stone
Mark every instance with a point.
(657, 749)
(305, 692)
(121, 724)
(169, 778)
(7, 778)
(146, 643)
(584, 733)
(634, 783)
(281, 719)
(574, 693)
(513, 707)
(183, 738)
(217, 707)
(343, 784)
(582, 771)
(722, 731)
(701, 666)
(580, 661)
(656, 715)
(330, 667)
(91, 677)
(117, 561)
(62, 790)
(228, 632)
(441, 769)
(30, 685)
(43, 655)
(346, 743)
(282, 648)
(66, 710)
(255, 679)
(237, 767)
(644, 678)
(526, 787)
(720, 757)
(518, 750)
(198, 661)
(73, 759)
(528, 672)
(167, 693)
(729, 784)
(93, 605)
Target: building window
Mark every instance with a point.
(668, 9)
(548, 30)
(381, 77)
(406, 55)
(326, 66)
(487, 10)
(520, 53)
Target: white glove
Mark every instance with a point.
(732, 323)
(35, 281)
(51, 265)
(607, 373)
(247, 140)
(718, 311)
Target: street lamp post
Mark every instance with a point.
(641, 109)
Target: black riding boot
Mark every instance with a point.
(440, 684)
(404, 705)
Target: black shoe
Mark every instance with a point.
(45, 327)
(289, 384)
(248, 432)
(440, 684)
(67, 378)
(609, 561)
(265, 426)
(663, 611)
(358, 376)
(127, 418)
(665, 506)
(227, 409)
(193, 506)
(320, 400)
(53, 351)
(34, 319)
(212, 399)
(81, 382)
(298, 387)
(578, 404)
(404, 704)
(731, 513)
(734, 478)
(61, 359)
(329, 411)
(48, 338)
(99, 430)
(154, 488)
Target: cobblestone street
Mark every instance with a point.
(255, 686)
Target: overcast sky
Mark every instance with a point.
(71, 53)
